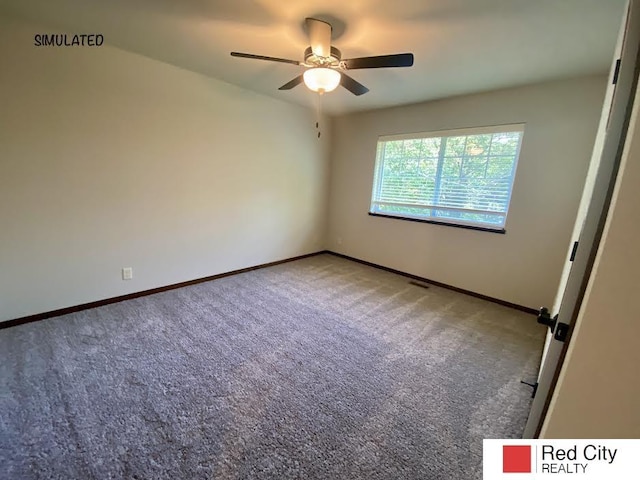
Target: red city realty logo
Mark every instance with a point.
(516, 458)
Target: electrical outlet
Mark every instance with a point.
(127, 273)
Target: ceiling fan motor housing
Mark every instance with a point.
(333, 60)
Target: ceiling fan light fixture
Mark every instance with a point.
(325, 68)
(321, 79)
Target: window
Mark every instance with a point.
(457, 177)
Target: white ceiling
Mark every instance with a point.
(460, 46)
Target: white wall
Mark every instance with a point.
(109, 159)
(524, 265)
(598, 391)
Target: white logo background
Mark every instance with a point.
(551, 459)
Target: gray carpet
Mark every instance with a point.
(316, 369)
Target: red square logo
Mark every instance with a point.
(516, 458)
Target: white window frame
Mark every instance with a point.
(456, 222)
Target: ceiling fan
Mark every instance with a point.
(324, 63)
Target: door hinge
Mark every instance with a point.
(544, 317)
(574, 251)
(532, 385)
(562, 330)
(616, 72)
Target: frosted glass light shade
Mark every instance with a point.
(321, 79)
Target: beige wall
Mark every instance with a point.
(598, 392)
(109, 159)
(524, 265)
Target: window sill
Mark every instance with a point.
(445, 224)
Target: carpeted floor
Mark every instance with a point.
(316, 369)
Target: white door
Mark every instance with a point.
(591, 213)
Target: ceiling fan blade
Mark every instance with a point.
(262, 57)
(381, 61)
(353, 86)
(319, 37)
(293, 83)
